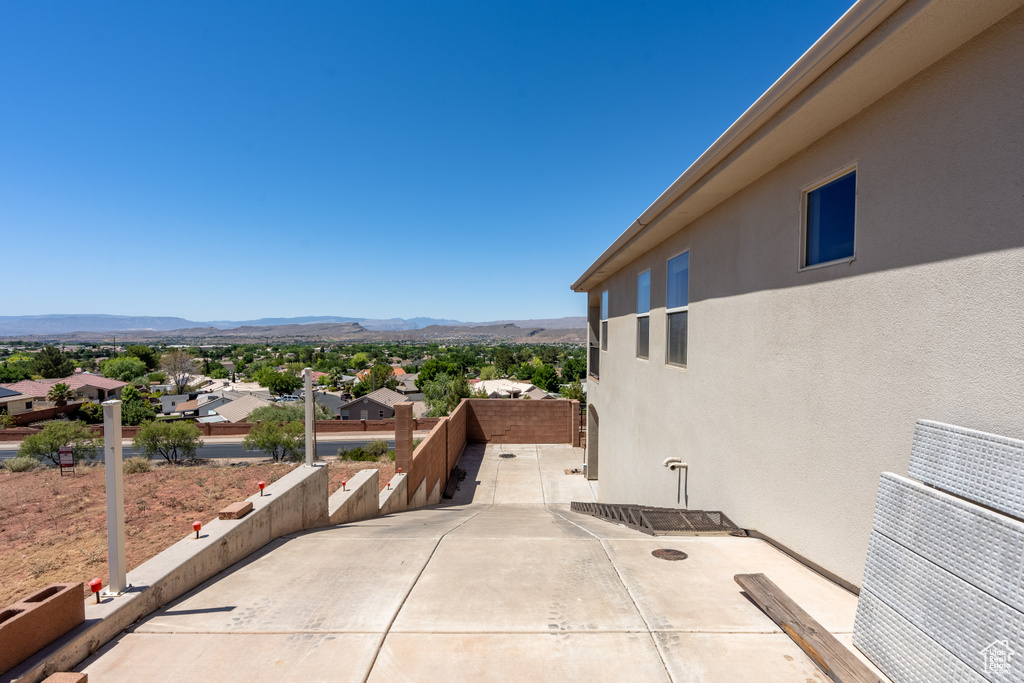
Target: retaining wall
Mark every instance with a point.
(294, 502)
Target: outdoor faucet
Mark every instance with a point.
(675, 464)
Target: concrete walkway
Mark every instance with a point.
(505, 584)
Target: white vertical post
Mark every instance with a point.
(114, 466)
(307, 376)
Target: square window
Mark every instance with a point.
(829, 221)
(677, 305)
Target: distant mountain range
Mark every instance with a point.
(86, 326)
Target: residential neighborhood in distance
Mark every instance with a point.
(228, 383)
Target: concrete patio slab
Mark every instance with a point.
(223, 658)
(503, 584)
(518, 585)
(765, 658)
(519, 521)
(626, 657)
(310, 583)
(699, 593)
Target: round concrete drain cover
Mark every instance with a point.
(669, 554)
(507, 455)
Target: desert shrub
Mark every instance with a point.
(91, 413)
(7, 421)
(22, 463)
(137, 465)
(375, 451)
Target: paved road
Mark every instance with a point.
(235, 450)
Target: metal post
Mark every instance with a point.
(307, 375)
(114, 466)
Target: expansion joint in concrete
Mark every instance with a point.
(380, 644)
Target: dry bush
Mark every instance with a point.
(22, 463)
(137, 465)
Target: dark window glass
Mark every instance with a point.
(678, 292)
(677, 338)
(643, 337)
(604, 335)
(830, 212)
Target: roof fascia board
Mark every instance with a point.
(858, 21)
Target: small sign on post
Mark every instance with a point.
(67, 459)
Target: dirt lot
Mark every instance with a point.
(53, 528)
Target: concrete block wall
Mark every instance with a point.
(522, 421)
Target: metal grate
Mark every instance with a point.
(507, 455)
(662, 521)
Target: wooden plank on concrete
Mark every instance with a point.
(831, 656)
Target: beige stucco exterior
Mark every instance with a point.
(803, 386)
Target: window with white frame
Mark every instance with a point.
(643, 314)
(677, 308)
(604, 320)
(828, 220)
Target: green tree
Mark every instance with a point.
(134, 408)
(443, 393)
(91, 412)
(147, 355)
(60, 394)
(360, 361)
(281, 441)
(434, 367)
(489, 372)
(574, 368)
(574, 391)
(58, 434)
(277, 382)
(123, 368)
(52, 363)
(545, 377)
(12, 370)
(296, 412)
(174, 441)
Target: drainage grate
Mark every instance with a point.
(507, 455)
(669, 554)
(662, 521)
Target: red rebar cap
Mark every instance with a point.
(196, 526)
(96, 585)
(262, 484)
(399, 470)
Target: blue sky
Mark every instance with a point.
(466, 160)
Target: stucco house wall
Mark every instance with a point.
(802, 386)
